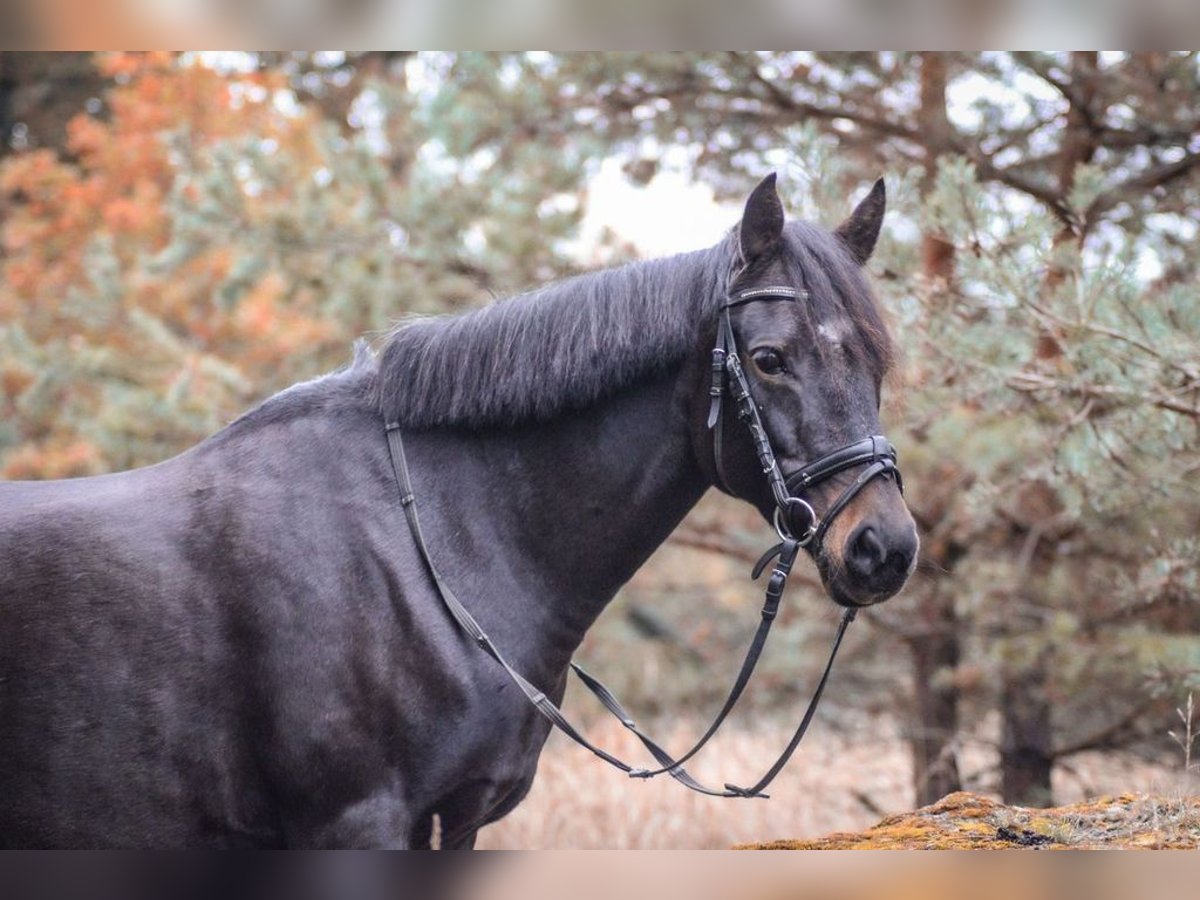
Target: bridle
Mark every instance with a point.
(794, 517)
(795, 521)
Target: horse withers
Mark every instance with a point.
(242, 646)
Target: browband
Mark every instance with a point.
(770, 292)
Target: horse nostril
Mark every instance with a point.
(881, 561)
(903, 552)
(898, 562)
(867, 552)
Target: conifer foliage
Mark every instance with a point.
(211, 236)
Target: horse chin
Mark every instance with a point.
(842, 591)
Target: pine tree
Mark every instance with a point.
(213, 237)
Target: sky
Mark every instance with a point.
(669, 215)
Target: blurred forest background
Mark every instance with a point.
(185, 234)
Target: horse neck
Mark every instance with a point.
(571, 508)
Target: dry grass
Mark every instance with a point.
(579, 802)
(834, 783)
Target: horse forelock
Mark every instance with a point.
(840, 297)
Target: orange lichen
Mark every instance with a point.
(965, 821)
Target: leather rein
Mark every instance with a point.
(795, 521)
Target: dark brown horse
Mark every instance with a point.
(241, 646)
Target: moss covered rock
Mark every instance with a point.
(964, 821)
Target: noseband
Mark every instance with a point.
(794, 516)
(795, 521)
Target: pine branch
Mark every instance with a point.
(1146, 181)
(1033, 382)
(788, 103)
(1051, 197)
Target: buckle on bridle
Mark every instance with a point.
(717, 385)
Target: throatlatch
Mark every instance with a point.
(795, 521)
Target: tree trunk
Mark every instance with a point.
(1026, 757)
(42, 92)
(937, 255)
(936, 646)
(1026, 754)
(935, 655)
(1079, 145)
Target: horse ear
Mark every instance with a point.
(860, 232)
(762, 221)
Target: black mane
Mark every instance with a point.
(566, 346)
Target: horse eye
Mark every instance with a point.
(769, 362)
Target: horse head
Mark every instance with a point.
(801, 357)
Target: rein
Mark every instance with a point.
(795, 521)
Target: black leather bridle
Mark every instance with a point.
(795, 521)
(794, 517)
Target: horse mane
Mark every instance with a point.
(563, 347)
(537, 355)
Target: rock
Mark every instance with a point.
(965, 821)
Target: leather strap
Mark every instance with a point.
(877, 468)
(463, 617)
(724, 357)
(786, 552)
(868, 450)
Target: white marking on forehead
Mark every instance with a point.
(834, 332)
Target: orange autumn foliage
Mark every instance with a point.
(83, 282)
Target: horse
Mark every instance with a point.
(242, 646)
